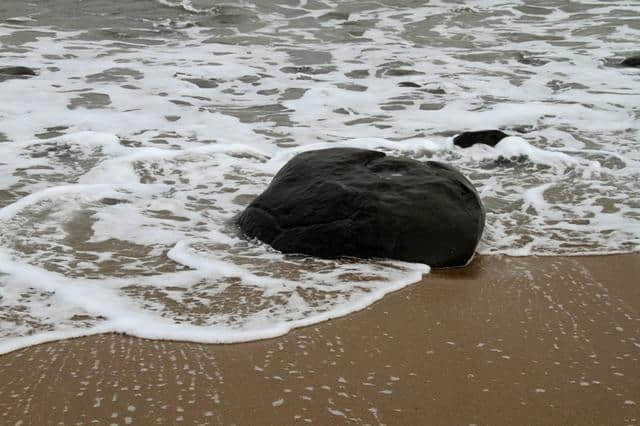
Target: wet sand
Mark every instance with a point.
(504, 341)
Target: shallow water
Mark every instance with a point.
(151, 124)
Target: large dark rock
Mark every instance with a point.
(355, 202)
(633, 61)
(487, 137)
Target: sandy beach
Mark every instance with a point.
(531, 340)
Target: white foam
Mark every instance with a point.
(513, 147)
(194, 6)
(125, 316)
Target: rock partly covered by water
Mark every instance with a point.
(633, 61)
(15, 72)
(355, 202)
(487, 137)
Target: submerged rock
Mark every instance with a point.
(15, 72)
(633, 61)
(487, 137)
(355, 202)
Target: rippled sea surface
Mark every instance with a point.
(151, 124)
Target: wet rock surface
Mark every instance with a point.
(355, 202)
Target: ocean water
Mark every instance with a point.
(151, 123)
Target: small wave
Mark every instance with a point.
(189, 6)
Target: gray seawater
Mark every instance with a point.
(151, 123)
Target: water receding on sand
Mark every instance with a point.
(150, 124)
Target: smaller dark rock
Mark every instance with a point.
(633, 61)
(408, 84)
(487, 137)
(17, 71)
(7, 73)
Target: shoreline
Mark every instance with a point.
(535, 340)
